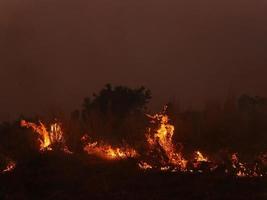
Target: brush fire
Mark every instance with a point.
(100, 167)
(107, 151)
(48, 139)
(161, 152)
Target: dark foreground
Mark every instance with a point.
(59, 177)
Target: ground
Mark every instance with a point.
(53, 176)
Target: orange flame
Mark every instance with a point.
(162, 139)
(44, 138)
(108, 152)
(47, 138)
(241, 169)
(160, 142)
(200, 158)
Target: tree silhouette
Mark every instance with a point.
(115, 110)
(119, 100)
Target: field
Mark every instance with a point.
(54, 176)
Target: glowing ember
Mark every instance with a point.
(48, 139)
(238, 166)
(242, 170)
(10, 167)
(144, 165)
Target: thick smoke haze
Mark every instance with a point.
(53, 53)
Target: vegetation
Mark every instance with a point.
(118, 115)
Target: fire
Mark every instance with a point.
(144, 165)
(242, 170)
(161, 140)
(56, 134)
(162, 153)
(10, 167)
(50, 138)
(108, 152)
(44, 138)
(200, 158)
(7, 165)
(240, 167)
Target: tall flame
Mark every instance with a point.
(162, 140)
(44, 138)
(47, 138)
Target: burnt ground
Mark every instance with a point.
(59, 177)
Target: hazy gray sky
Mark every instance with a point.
(55, 52)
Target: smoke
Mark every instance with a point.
(56, 52)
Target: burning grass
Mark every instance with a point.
(108, 152)
(160, 142)
(161, 153)
(57, 175)
(156, 165)
(48, 139)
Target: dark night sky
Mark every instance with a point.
(55, 52)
